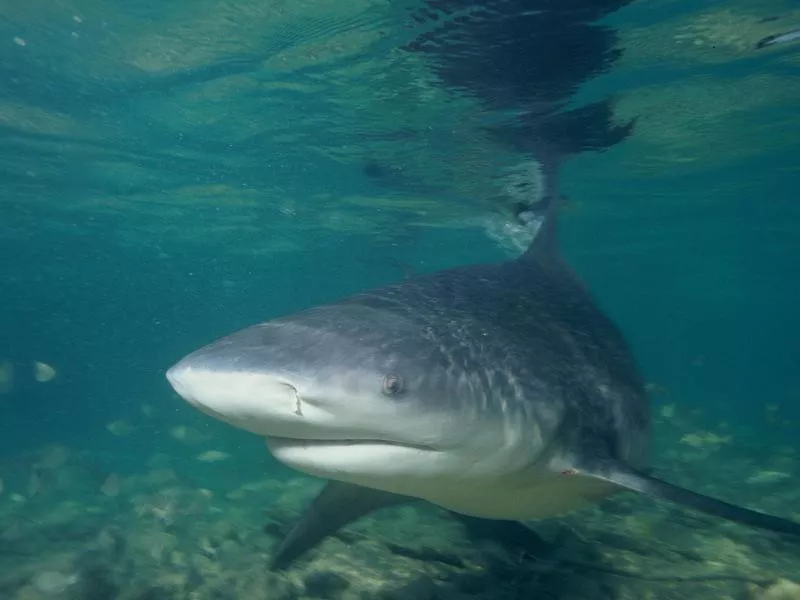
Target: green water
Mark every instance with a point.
(174, 171)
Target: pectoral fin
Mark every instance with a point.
(337, 505)
(626, 477)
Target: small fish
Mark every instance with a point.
(42, 372)
(53, 582)
(779, 38)
(704, 439)
(120, 427)
(187, 435)
(213, 456)
(668, 411)
(53, 457)
(768, 477)
(111, 485)
(11, 370)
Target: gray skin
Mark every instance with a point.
(498, 391)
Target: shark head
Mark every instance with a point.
(358, 394)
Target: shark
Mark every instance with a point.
(498, 391)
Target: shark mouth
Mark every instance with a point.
(360, 461)
(283, 442)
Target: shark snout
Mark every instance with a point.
(177, 375)
(200, 387)
(247, 398)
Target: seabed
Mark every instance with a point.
(72, 529)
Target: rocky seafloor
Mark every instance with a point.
(72, 529)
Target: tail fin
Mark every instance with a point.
(625, 477)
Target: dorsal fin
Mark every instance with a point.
(544, 247)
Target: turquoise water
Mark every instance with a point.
(174, 171)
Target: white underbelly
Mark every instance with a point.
(532, 496)
(547, 496)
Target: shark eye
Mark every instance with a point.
(392, 385)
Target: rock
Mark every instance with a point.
(421, 588)
(783, 589)
(279, 588)
(96, 583)
(325, 584)
(471, 583)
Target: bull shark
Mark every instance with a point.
(498, 391)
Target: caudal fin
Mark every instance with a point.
(630, 479)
